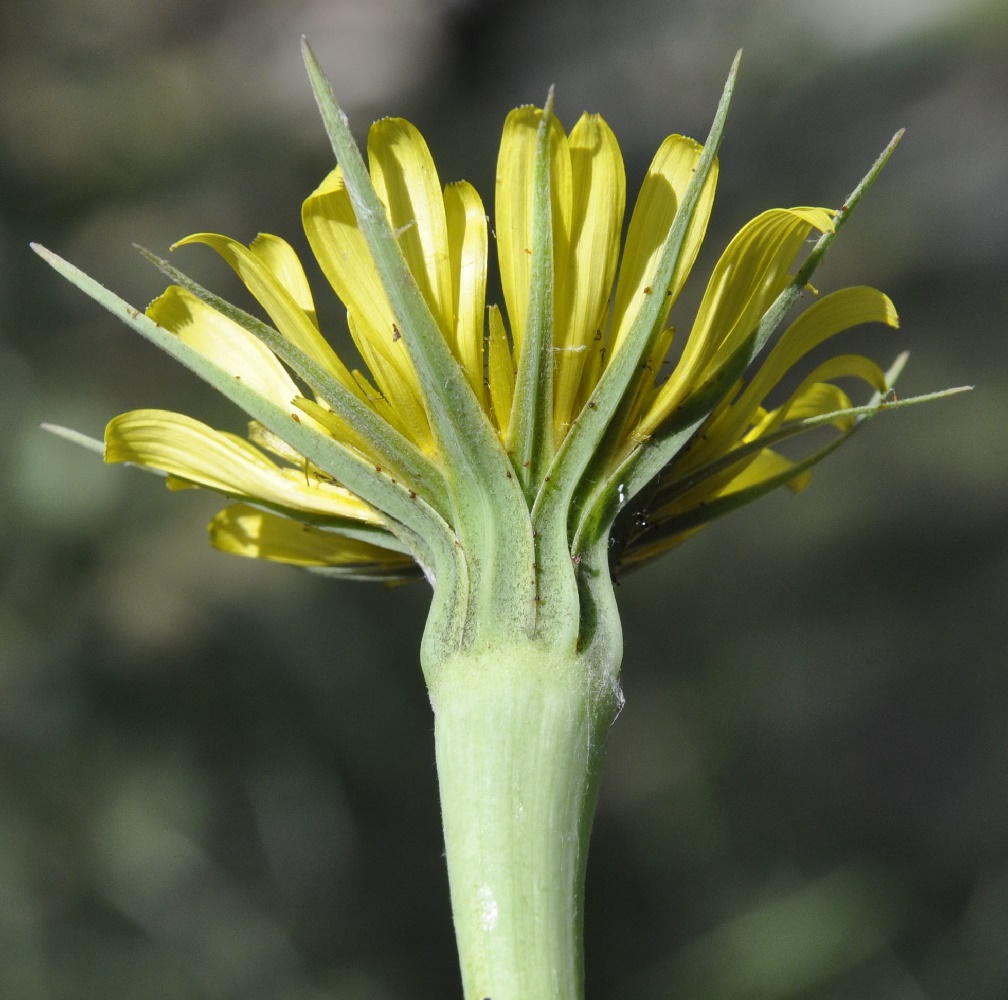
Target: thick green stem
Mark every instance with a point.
(520, 734)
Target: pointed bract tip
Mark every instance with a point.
(75, 437)
(310, 60)
(548, 104)
(45, 253)
(896, 368)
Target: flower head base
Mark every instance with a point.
(515, 457)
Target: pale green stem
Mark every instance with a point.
(520, 734)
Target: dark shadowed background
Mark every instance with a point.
(217, 778)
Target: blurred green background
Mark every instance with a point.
(216, 777)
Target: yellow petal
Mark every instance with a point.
(748, 471)
(467, 244)
(282, 262)
(406, 180)
(660, 196)
(282, 292)
(402, 393)
(186, 448)
(513, 209)
(816, 396)
(752, 271)
(812, 400)
(342, 253)
(245, 531)
(224, 342)
(648, 383)
(767, 465)
(501, 372)
(598, 185)
(822, 320)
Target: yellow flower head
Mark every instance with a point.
(573, 425)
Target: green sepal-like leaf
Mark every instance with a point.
(393, 451)
(418, 525)
(530, 429)
(490, 512)
(75, 437)
(825, 241)
(557, 505)
(600, 635)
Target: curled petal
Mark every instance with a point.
(768, 466)
(224, 342)
(815, 396)
(273, 274)
(750, 274)
(282, 262)
(811, 400)
(822, 320)
(185, 448)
